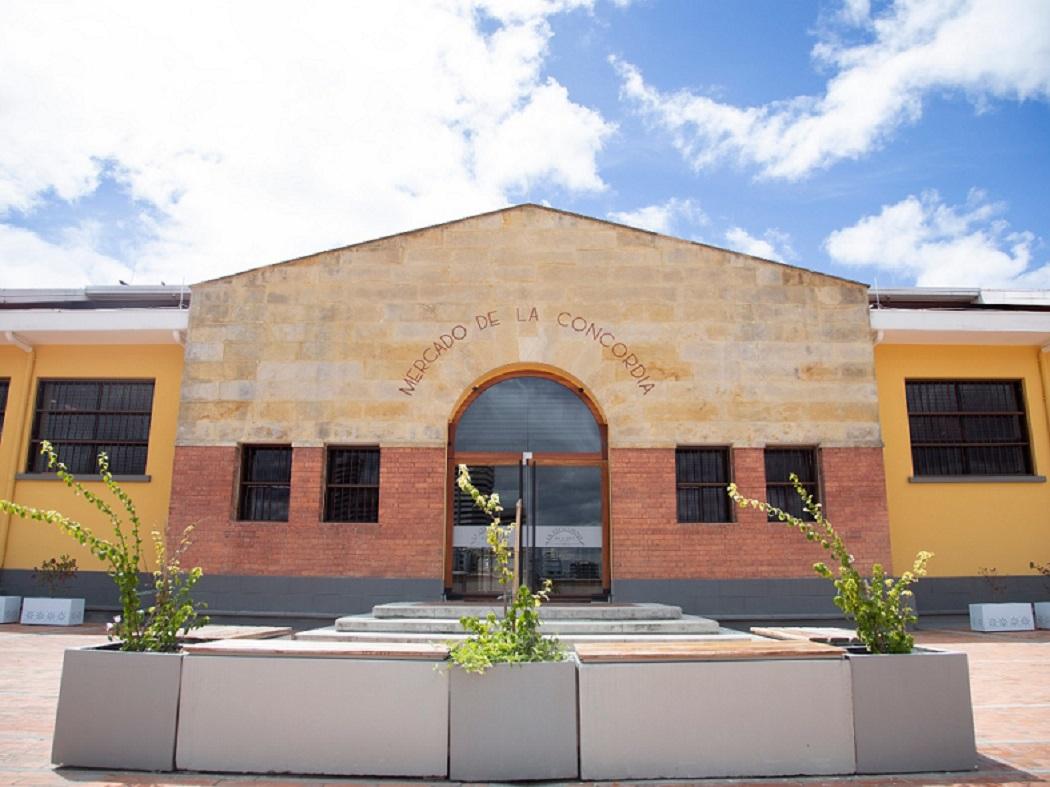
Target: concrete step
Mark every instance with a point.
(330, 634)
(686, 624)
(594, 611)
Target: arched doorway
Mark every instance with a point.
(536, 437)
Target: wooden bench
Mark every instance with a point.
(422, 651)
(736, 650)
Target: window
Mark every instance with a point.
(702, 475)
(968, 427)
(352, 485)
(4, 385)
(82, 418)
(266, 481)
(780, 464)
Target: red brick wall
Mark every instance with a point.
(648, 542)
(408, 540)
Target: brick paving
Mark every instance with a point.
(1009, 674)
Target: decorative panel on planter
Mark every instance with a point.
(515, 722)
(9, 608)
(1001, 617)
(53, 611)
(343, 716)
(700, 719)
(117, 710)
(912, 712)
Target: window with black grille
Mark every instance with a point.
(780, 492)
(266, 483)
(968, 427)
(352, 485)
(4, 385)
(701, 477)
(82, 418)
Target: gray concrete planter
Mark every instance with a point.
(117, 710)
(52, 611)
(1001, 617)
(515, 722)
(10, 607)
(1042, 614)
(707, 719)
(313, 715)
(912, 712)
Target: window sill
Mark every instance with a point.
(977, 479)
(716, 524)
(261, 521)
(123, 479)
(339, 522)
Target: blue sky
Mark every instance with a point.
(904, 143)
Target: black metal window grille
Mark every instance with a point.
(780, 492)
(701, 477)
(266, 483)
(4, 385)
(82, 418)
(352, 485)
(968, 427)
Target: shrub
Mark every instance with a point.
(877, 605)
(515, 637)
(56, 573)
(157, 627)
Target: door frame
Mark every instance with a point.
(592, 458)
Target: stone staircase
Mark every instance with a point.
(595, 622)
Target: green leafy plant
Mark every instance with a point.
(515, 637)
(153, 628)
(56, 573)
(878, 605)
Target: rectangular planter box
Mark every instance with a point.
(514, 722)
(309, 715)
(1001, 617)
(53, 611)
(1042, 614)
(912, 712)
(117, 710)
(700, 719)
(9, 608)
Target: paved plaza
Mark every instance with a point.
(1010, 680)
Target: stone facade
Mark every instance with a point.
(677, 342)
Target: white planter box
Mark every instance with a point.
(515, 722)
(912, 712)
(1001, 617)
(715, 719)
(53, 611)
(117, 710)
(313, 715)
(9, 608)
(1042, 614)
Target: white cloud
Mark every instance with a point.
(257, 131)
(672, 217)
(774, 245)
(982, 48)
(30, 261)
(942, 245)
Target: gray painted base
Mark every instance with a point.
(352, 717)
(117, 710)
(690, 720)
(231, 597)
(912, 712)
(515, 722)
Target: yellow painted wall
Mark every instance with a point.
(26, 544)
(968, 525)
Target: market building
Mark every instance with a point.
(308, 418)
